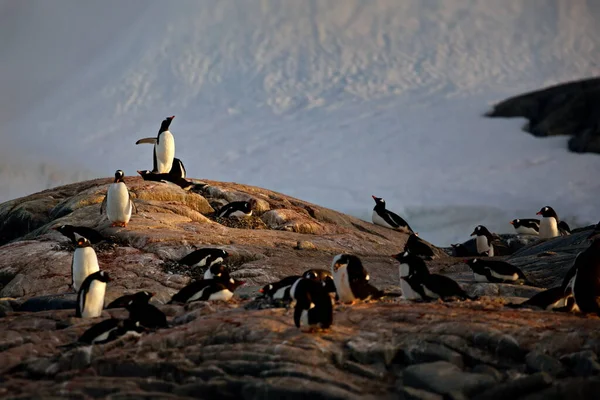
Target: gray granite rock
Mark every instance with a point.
(540, 362)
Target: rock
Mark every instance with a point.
(569, 389)
(77, 358)
(540, 362)
(445, 378)
(584, 363)
(425, 352)
(486, 369)
(291, 220)
(409, 393)
(503, 345)
(305, 245)
(370, 352)
(516, 388)
(564, 109)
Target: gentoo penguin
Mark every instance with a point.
(83, 264)
(526, 226)
(217, 271)
(236, 209)
(418, 247)
(207, 289)
(178, 170)
(151, 176)
(433, 286)
(108, 330)
(205, 257)
(164, 147)
(551, 299)
(586, 283)
(483, 241)
(121, 302)
(313, 308)
(352, 280)
(90, 298)
(280, 290)
(410, 264)
(146, 314)
(563, 228)
(496, 271)
(460, 250)
(387, 218)
(75, 232)
(549, 223)
(321, 275)
(118, 201)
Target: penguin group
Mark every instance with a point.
(315, 292)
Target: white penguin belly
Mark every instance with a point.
(377, 220)
(407, 292)
(224, 295)
(165, 152)
(558, 304)
(429, 293)
(523, 230)
(548, 228)
(304, 320)
(197, 295)
(483, 246)
(512, 277)
(94, 300)
(240, 214)
(479, 277)
(118, 204)
(85, 263)
(342, 285)
(280, 293)
(103, 336)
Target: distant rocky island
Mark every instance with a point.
(570, 108)
(247, 348)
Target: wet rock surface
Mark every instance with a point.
(249, 347)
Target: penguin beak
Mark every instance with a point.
(538, 213)
(55, 228)
(373, 197)
(171, 118)
(261, 290)
(512, 223)
(336, 266)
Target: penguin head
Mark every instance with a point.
(515, 222)
(310, 274)
(119, 175)
(329, 284)
(233, 284)
(246, 207)
(103, 276)
(83, 242)
(144, 172)
(164, 126)
(266, 288)
(219, 271)
(481, 230)
(224, 254)
(547, 212)
(379, 202)
(143, 297)
(471, 262)
(343, 260)
(64, 229)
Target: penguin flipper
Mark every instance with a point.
(149, 140)
(133, 203)
(103, 205)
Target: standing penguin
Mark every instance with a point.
(387, 218)
(496, 271)
(236, 209)
(586, 282)
(352, 280)
(118, 202)
(483, 241)
(526, 226)
(549, 223)
(418, 247)
(164, 147)
(90, 298)
(409, 264)
(314, 308)
(84, 263)
(205, 257)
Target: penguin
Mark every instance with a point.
(563, 228)
(207, 289)
(83, 264)
(313, 308)
(164, 147)
(580, 259)
(410, 264)
(460, 250)
(121, 302)
(108, 330)
(549, 223)
(586, 282)
(236, 209)
(321, 275)
(280, 290)
(496, 271)
(387, 218)
(118, 202)
(526, 226)
(90, 298)
(352, 280)
(151, 176)
(148, 315)
(75, 232)
(205, 257)
(218, 271)
(552, 299)
(434, 286)
(417, 246)
(178, 169)
(483, 240)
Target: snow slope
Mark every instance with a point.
(329, 100)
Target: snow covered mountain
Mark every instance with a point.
(330, 100)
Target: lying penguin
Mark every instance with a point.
(207, 290)
(205, 257)
(496, 271)
(552, 299)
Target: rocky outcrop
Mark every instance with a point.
(246, 348)
(566, 109)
